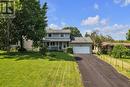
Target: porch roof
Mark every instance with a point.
(56, 40)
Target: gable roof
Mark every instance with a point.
(81, 40)
(57, 31)
(114, 43)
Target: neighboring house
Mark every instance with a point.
(59, 40)
(108, 46)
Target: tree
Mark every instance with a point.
(74, 31)
(119, 51)
(3, 34)
(128, 35)
(98, 39)
(6, 29)
(30, 22)
(87, 35)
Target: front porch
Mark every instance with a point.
(58, 46)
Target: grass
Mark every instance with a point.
(121, 65)
(34, 70)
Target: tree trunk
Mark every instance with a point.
(21, 42)
(8, 36)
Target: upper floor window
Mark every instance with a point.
(62, 35)
(49, 35)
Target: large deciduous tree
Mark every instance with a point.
(74, 31)
(30, 22)
(98, 39)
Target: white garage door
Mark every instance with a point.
(81, 50)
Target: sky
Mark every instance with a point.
(109, 17)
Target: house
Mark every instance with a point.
(59, 40)
(108, 46)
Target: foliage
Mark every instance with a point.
(3, 34)
(22, 50)
(121, 41)
(43, 50)
(103, 50)
(69, 50)
(87, 35)
(99, 38)
(74, 31)
(29, 23)
(128, 35)
(98, 53)
(119, 51)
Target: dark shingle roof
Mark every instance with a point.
(57, 31)
(113, 44)
(82, 40)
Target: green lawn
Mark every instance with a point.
(121, 65)
(33, 70)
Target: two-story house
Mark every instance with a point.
(57, 39)
(61, 39)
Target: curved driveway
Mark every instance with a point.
(97, 73)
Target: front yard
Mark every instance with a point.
(33, 70)
(121, 65)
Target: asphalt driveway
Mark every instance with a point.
(97, 73)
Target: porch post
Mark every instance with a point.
(58, 45)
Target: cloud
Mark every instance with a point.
(91, 20)
(96, 20)
(96, 6)
(116, 28)
(117, 31)
(54, 26)
(122, 2)
(104, 22)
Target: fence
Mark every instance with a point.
(120, 64)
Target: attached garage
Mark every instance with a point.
(82, 45)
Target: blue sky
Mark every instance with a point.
(109, 17)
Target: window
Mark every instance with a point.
(49, 35)
(64, 46)
(47, 43)
(62, 35)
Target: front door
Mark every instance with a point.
(60, 45)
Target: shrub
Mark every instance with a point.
(43, 50)
(98, 53)
(22, 50)
(103, 51)
(109, 53)
(69, 50)
(119, 51)
(128, 52)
